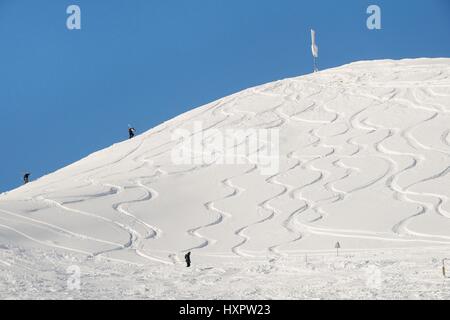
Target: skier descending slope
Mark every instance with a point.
(131, 132)
(26, 178)
(187, 257)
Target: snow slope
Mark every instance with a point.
(364, 160)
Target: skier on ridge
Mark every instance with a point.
(131, 132)
(187, 257)
(26, 178)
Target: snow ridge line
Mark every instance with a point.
(212, 109)
(128, 154)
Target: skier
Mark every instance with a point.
(26, 178)
(187, 257)
(131, 132)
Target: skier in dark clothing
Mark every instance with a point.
(187, 257)
(131, 132)
(26, 178)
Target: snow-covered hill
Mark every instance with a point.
(358, 155)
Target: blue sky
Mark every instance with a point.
(65, 94)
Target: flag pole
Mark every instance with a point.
(314, 50)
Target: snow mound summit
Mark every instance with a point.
(357, 155)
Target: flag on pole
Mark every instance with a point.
(314, 48)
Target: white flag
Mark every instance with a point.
(314, 48)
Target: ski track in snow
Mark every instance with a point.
(137, 237)
(311, 104)
(401, 227)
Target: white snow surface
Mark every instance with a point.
(364, 161)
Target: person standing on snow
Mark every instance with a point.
(26, 178)
(131, 132)
(187, 257)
